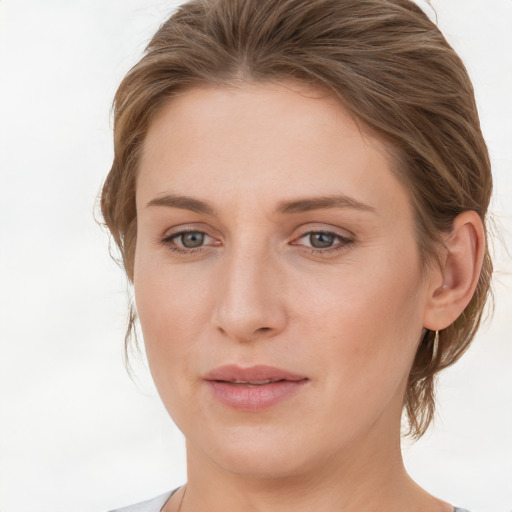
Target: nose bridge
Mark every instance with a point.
(249, 304)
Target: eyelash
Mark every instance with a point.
(343, 242)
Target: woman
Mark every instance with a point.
(299, 193)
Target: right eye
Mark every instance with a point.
(188, 241)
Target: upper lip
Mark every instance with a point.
(258, 373)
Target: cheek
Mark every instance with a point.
(365, 327)
(169, 322)
(168, 297)
(365, 318)
(171, 306)
(165, 309)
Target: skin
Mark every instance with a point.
(349, 316)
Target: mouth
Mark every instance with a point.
(253, 388)
(251, 384)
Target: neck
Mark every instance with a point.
(368, 476)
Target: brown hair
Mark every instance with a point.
(393, 71)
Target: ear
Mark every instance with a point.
(454, 283)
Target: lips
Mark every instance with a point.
(255, 374)
(253, 388)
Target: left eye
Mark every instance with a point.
(323, 240)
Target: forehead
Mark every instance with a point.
(255, 108)
(269, 139)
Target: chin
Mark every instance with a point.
(260, 452)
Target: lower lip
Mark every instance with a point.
(253, 398)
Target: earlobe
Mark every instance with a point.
(459, 270)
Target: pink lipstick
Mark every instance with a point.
(253, 388)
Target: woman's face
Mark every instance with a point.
(277, 279)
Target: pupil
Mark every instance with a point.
(191, 240)
(321, 240)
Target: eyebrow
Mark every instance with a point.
(182, 202)
(285, 207)
(322, 202)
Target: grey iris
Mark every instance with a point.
(192, 240)
(321, 240)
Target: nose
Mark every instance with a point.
(249, 305)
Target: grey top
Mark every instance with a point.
(156, 504)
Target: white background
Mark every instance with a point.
(75, 432)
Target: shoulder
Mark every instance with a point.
(153, 505)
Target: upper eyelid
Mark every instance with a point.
(298, 232)
(325, 232)
(184, 232)
(331, 230)
(179, 230)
